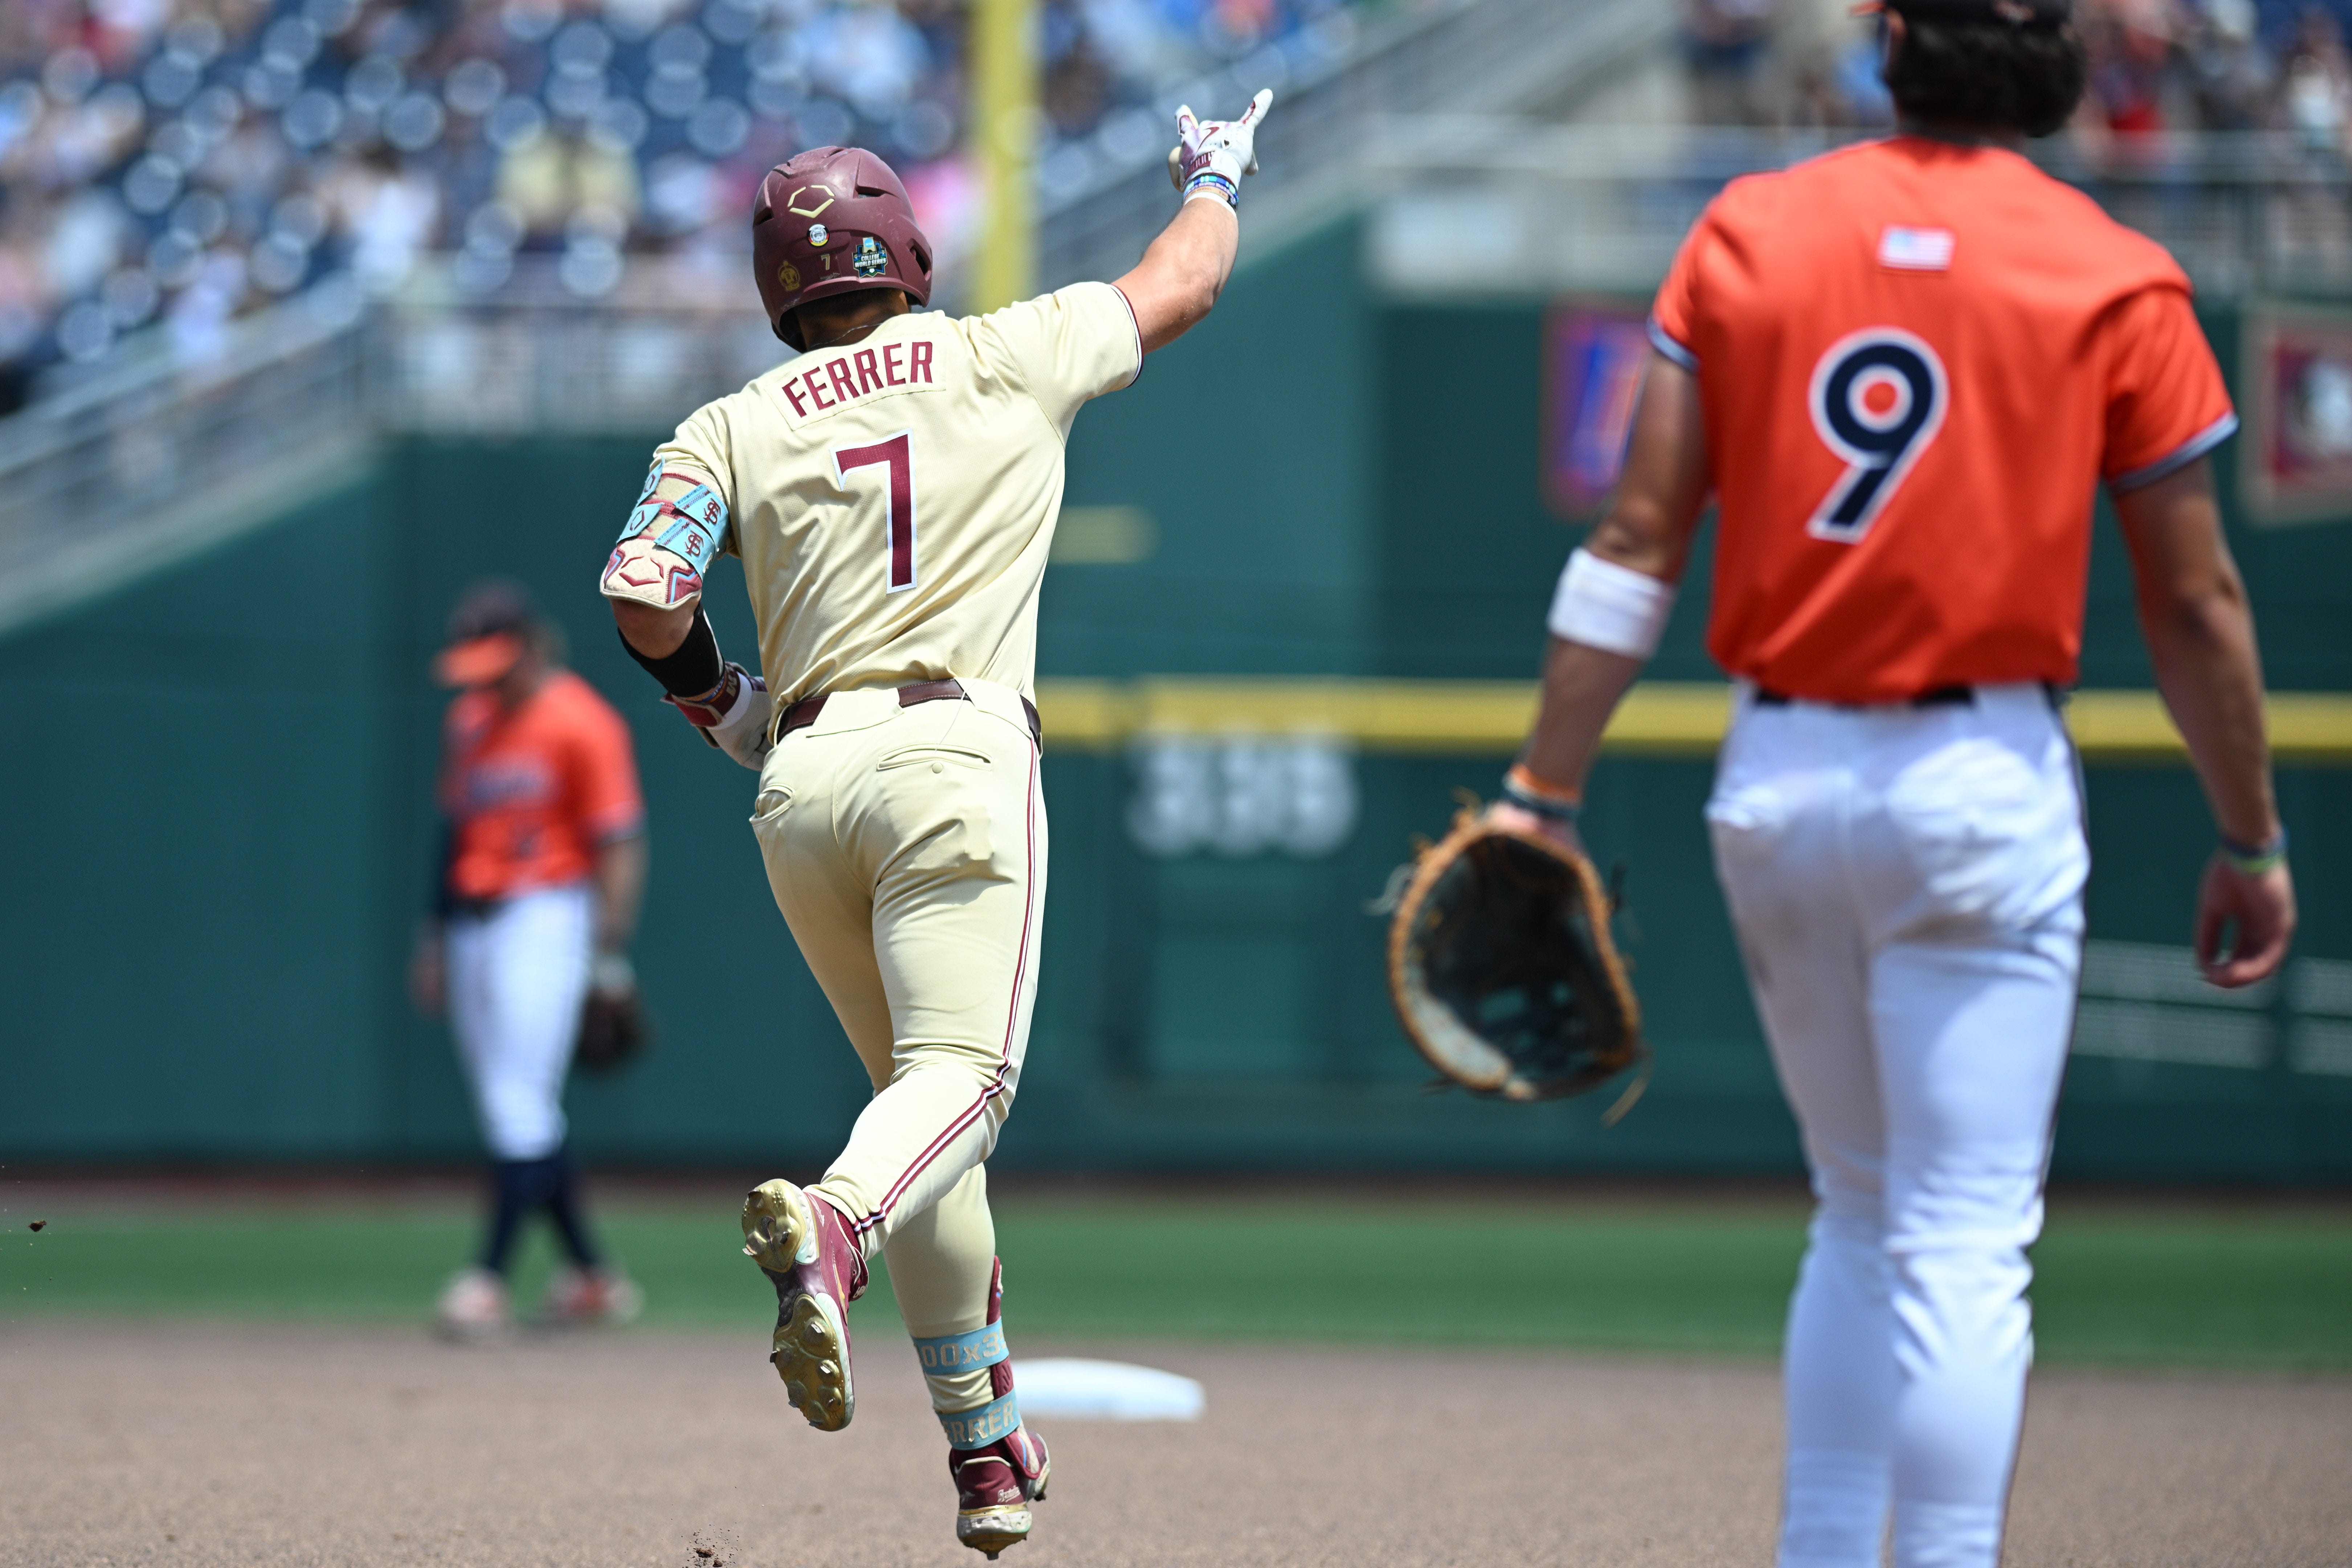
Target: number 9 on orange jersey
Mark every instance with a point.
(1877, 399)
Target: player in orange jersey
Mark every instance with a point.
(544, 861)
(1902, 369)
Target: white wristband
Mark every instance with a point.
(742, 731)
(1613, 608)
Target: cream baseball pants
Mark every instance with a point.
(906, 847)
(1906, 883)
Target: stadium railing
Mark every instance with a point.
(535, 357)
(1499, 55)
(146, 462)
(142, 464)
(187, 442)
(1556, 207)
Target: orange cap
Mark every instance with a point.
(477, 661)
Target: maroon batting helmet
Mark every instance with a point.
(833, 220)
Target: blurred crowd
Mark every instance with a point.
(2155, 65)
(172, 163)
(179, 162)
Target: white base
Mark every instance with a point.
(1084, 1390)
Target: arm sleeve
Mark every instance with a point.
(454, 722)
(605, 781)
(702, 452)
(1674, 313)
(449, 796)
(2167, 403)
(1065, 348)
(443, 899)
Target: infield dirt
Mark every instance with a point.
(128, 1443)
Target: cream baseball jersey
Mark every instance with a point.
(893, 499)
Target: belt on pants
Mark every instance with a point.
(1934, 697)
(1938, 697)
(803, 713)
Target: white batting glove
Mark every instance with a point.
(733, 716)
(1211, 156)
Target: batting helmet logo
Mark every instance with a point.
(793, 202)
(789, 277)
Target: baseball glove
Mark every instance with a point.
(1502, 970)
(613, 1031)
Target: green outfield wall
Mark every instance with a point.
(219, 821)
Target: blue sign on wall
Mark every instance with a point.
(1592, 372)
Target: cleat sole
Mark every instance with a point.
(810, 1356)
(811, 1347)
(779, 1227)
(991, 1530)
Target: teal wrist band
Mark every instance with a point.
(1528, 800)
(2254, 859)
(1208, 184)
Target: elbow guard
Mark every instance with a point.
(667, 545)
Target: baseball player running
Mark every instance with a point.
(892, 492)
(543, 859)
(1901, 369)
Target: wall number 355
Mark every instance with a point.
(1242, 794)
(1878, 397)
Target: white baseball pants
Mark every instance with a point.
(1906, 883)
(518, 976)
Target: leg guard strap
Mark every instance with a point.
(951, 1353)
(992, 1423)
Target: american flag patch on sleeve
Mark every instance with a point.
(1915, 249)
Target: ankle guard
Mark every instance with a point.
(950, 1363)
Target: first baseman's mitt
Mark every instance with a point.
(1503, 970)
(613, 1031)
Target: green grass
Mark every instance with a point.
(1648, 1278)
(2143, 1285)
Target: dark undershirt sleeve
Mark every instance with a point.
(443, 900)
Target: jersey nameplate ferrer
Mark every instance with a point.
(819, 386)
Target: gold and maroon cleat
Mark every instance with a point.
(996, 1485)
(804, 1246)
(999, 1465)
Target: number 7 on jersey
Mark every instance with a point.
(898, 502)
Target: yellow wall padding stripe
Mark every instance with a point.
(1659, 718)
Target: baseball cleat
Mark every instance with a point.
(803, 1246)
(996, 1485)
(586, 1297)
(473, 1307)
